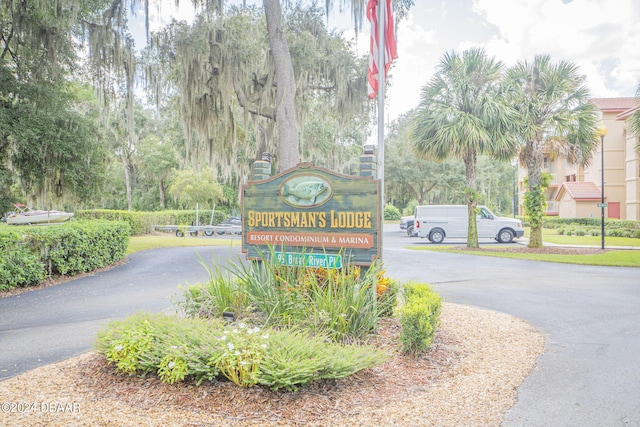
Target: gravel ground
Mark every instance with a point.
(468, 378)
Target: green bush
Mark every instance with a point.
(625, 228)
(210, 300)
(419, 317)
(144, 222)
(296, 357)
(29, 254)
(205, 349)
(139, 222)
(19, 267)
(344, 304)
(387, 296)
(81, 246)
(391, 213)
(411, 207)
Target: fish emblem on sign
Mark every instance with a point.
(305, 191)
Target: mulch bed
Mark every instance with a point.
(310, 404)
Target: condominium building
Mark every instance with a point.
(576, 191)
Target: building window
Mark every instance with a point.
(545, 162)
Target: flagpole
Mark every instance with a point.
(381, 82)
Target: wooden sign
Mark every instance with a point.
(312, 210)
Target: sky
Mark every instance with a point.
(599, 36)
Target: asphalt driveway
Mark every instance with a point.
(55, 323)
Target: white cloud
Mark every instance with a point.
(413, 68)
(596, 35)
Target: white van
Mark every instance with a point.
(436, 222)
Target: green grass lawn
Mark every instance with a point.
(550, 236)
(142, 243)
(610, 257)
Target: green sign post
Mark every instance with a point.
(298, 259)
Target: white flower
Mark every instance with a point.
(242, 326)
(170, 365)
(119, 347)
(230, 346)
(222, 338)
(237, 353)
(265, 336)
(263, 345)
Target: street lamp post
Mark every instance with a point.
(514, 165)
(602, 131)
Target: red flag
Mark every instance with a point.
(390, 49)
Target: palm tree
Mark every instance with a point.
(555, 116)
(462, 114)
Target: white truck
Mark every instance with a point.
(436, 222)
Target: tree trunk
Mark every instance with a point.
(288, 151)
(534, 201)
(472, 199)
(162, 191)
(127, 178)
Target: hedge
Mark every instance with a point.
(554, 222)
(143, 222)
(30, 254)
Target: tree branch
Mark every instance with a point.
(269, 113)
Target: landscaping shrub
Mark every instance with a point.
(613, 227)
(139, 222)
(177, 349)
(419, 317)
(387, 291)
(296, 357)
(31, 253)
(144, 222)
(410, 208)
(19, 267)
(344, 304)
(210, 300)
(391, 213)
(81, 246)
(616, 232)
